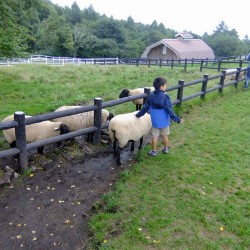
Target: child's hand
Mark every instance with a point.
(182, 121)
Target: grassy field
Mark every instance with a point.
(37, 89)
(196, 197)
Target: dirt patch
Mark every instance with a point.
(50, 207)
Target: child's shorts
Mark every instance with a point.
(160, 131)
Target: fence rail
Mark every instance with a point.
(20, 121)
(216, 63)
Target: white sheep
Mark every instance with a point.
(138, 91)
(35, 132)
(81, 120)
(231, 77)
(127, 127)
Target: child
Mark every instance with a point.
(159, 104)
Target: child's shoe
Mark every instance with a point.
(152, 153)
(165, 150)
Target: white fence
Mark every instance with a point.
(60, 61)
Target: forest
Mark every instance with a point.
(29, 27)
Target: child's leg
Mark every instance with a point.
(154, 142)
(165, 141)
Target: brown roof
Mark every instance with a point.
(187, 48)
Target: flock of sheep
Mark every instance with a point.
(122, 128)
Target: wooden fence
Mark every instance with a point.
(20, 122)
(216, 63)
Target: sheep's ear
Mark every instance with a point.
(56, 129)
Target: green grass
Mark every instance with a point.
(37, 89)
(196, 197)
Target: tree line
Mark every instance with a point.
(41, 27)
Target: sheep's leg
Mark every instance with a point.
(132, 148)
(118, 157)
(40, 150)
(115, 147)
(90, 137)
(13, 145)
(141, 141)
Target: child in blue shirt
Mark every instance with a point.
(159, 104)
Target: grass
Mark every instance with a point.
(196, 197)
(37, 89)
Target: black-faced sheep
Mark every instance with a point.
(82, 120)
(130, 92)
(35, 132)
(231, 77)
(127, 127)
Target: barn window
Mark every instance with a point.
(164, 50)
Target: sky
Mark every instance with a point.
(196, 16)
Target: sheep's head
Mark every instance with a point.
(124, 93)
(64, 129)
(110, 116)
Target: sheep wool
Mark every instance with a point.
(34, 132)
(81, 120)
(231, 77)
(127, 127)
(130, 92)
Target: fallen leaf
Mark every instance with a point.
(19, 236)
(221, 228)
(67, 221)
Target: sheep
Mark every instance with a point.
(127, 127)
(82, 120)
(231, 77)
(130, 92)
(35, 132)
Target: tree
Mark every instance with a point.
(13, 34)
(79, 35)
(55, 37)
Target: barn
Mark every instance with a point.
(184, 46)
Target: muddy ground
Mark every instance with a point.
(50, 206)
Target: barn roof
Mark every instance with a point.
(184, 48)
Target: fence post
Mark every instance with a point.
(237, 75)
(19, 117)
(219, 65)
(204, 86)
(147, 91)
(97, 120)
(160, 62)
(222, 79)
(137, 62)
(180, 92)
(240, 63)
(148, 62)
(201, 65)
(172, 63)
(185, 65)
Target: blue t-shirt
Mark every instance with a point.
(160, 118)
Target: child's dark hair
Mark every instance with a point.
(158, 82)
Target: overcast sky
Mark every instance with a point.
(191, 15)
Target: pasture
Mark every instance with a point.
(196, 197)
